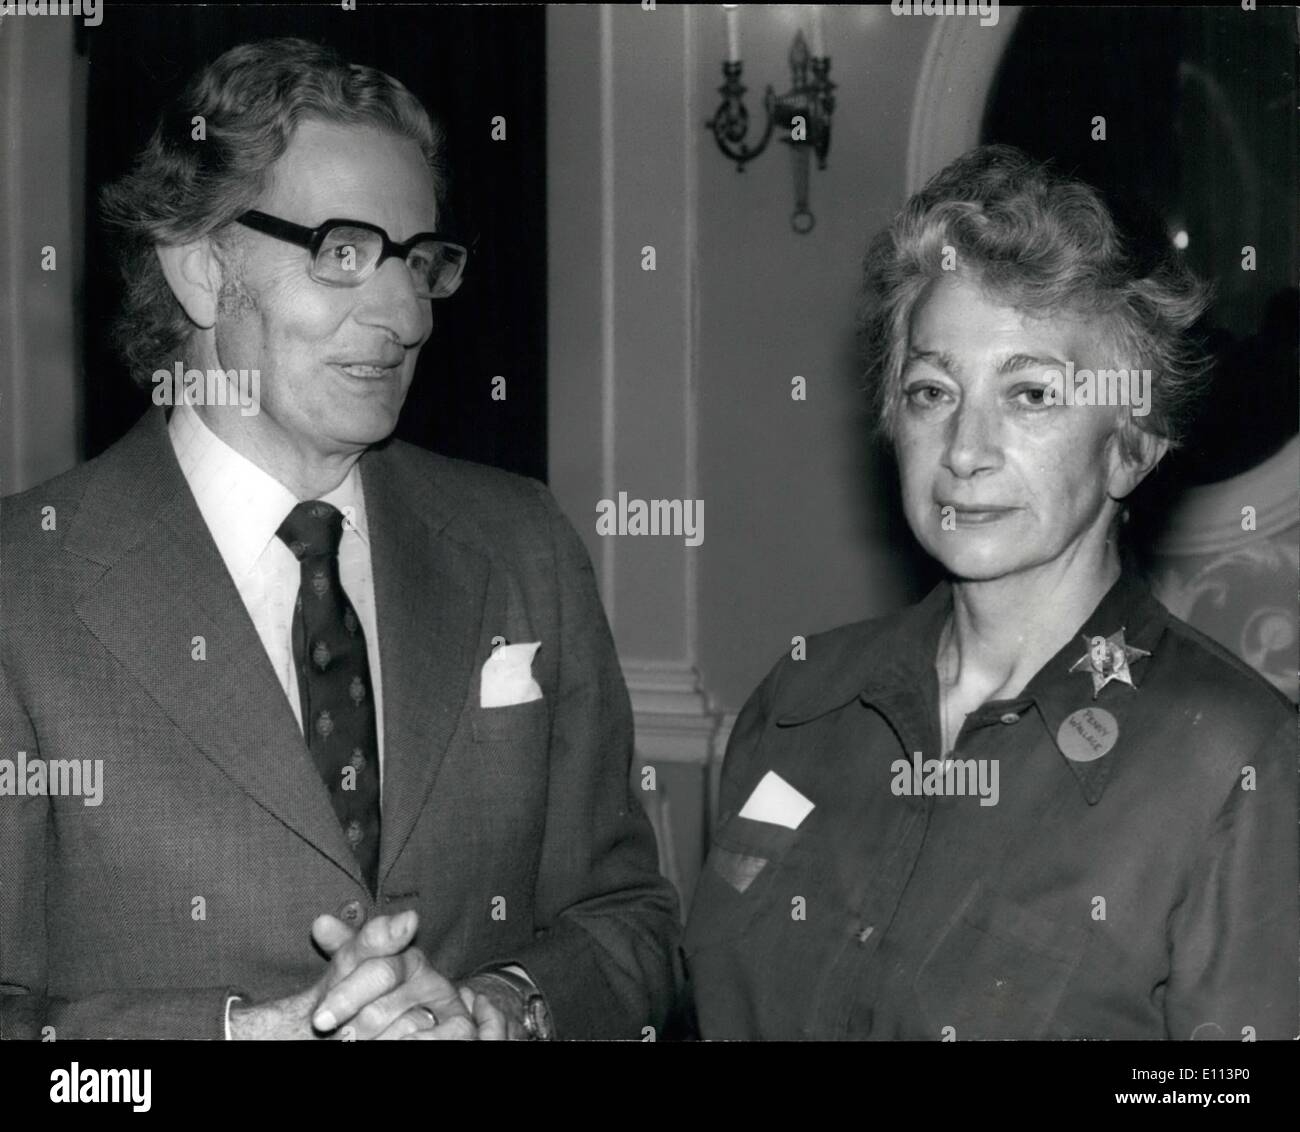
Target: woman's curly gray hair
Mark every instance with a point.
(1043, 243)
(250, 100)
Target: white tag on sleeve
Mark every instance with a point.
(775, 800)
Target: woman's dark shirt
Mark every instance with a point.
(1150, 892)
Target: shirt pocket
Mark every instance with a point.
(736, 879)
(518, 723)
(998, 971)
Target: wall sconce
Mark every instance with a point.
(804, 111)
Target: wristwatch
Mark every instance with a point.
(537, 1015)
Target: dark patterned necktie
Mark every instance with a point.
(329, 655)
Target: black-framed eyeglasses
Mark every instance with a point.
(345, 253)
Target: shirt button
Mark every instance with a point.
(1011, 717)
(351, 912)
(864, 934)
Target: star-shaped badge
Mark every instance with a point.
(1108, 659)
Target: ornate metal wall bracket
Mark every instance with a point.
(803, 112)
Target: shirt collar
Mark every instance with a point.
(242, 504)
(895, 672)
(892, 665)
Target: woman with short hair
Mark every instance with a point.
(1036, 804)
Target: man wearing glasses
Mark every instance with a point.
(363, 738)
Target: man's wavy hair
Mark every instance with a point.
(251, 100)
(1042, 243)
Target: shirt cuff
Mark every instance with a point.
(515, 969)
(230, 1002)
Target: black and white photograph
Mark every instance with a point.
(720, 525)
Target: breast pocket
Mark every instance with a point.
(517, 723)
(999, 970)
(737, 878)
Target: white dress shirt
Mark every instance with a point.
(243, 507)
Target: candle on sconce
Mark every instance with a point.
(818, 33)
(732, 14)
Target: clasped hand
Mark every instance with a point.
(377, 985)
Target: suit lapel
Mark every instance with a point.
(165, 585)
(430, 592)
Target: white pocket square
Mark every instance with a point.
(775, 800)
(507, 676)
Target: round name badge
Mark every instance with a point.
(1087, 734)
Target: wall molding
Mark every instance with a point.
(952, 90)
(608, 309)
(1207, 519)
(42, 182)
(671, 711)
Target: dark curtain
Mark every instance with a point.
(466, 65)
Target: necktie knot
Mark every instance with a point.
(312, 530)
